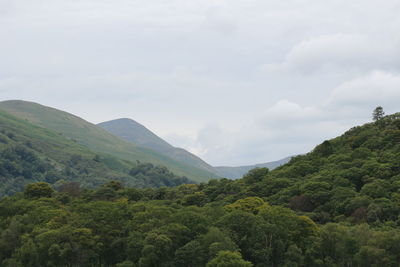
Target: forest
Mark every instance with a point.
(338, 205)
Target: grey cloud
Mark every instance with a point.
(367, 91)
(288, 128)
(217, 18)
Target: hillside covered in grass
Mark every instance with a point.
(132, 131)
(335, 206)
(97, 139)
(29, 154)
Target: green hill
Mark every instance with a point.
(354, 177)
(132, 131)
(338, 205)
(95, 138)
(29, 153)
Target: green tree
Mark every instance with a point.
(372, 257)
(157, 251)
(249, 204)
(293, 257)
(190, 255)
(38, 190)
(229, 259)
(215, 241)
(324, 149)
(378, 113)
(255, 175)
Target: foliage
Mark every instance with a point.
(353, 178)
(105, 228)
(228, 259)
(335, 206)
(38, 190)
(378, 113)
(154, 229)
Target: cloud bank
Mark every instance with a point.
(236, 82)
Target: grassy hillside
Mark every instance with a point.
(131, 131)
(238, 172)
(29, 153)
(96, 138)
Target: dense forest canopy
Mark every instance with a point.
(335, 206)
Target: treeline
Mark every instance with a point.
(117, 226)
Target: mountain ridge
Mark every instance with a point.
(236, 172)
(134, 132)
(95, 138)
(30, 153)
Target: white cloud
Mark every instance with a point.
(285, 111)
(289, 128)
(376, 88)
(273, 135)
(339, 52)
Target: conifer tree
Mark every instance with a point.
(378, 113)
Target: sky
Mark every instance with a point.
(236, 82)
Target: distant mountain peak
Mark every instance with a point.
(134, 132)
(97, 139)
(124, 120)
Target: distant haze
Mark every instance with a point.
(235, 82)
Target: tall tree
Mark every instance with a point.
(378, 113)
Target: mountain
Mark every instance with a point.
(29, 153)
(134, 132)
(238, 172)
(97, 139)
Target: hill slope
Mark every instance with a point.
(95, 138)
(29, 153)
(354, 178)
(132, 131)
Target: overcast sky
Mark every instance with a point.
(236, 81)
